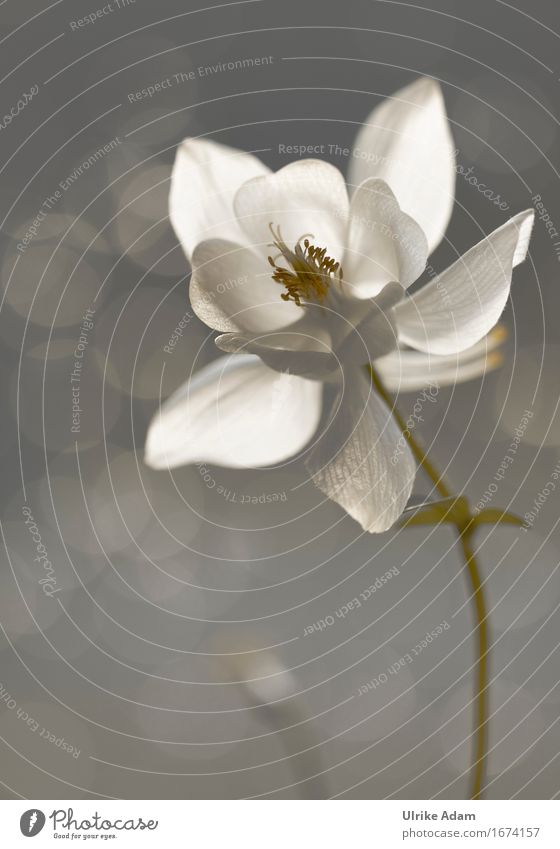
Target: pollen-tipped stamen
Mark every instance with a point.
(309, 271)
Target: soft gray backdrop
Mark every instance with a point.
(157, 659)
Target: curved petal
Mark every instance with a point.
(307, 197)
(235, 412)
(366, 329)
(232, 290)
(205, 177)
(406, 141)
(286, 352)
(408, 371)
(384, 244)
(324, 341)
(462, 304)
(362, 461)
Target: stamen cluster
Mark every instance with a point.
(309, 273)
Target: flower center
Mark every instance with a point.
(309, 270)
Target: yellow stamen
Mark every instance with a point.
(494, 360)
(309, 271)
(499, 334)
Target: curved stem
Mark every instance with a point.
(478, 768)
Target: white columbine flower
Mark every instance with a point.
(306, 281)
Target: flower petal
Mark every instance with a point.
(205, 177)
(406, 141)
(286, 352)
(232, 290)
(307, 197)
(235, 412)
(362, 461)
(408, 371)
(462, 304)
(366, 329)
(326, 338)
(383, 243)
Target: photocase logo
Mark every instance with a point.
(31, 822)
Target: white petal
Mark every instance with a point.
(362, 461)
(278, 352)
(235, 412)
(232, 289)
(462, 304)
(407, 371)
(325, 340)
(205, 177)
(307, 197)
(286, 352)
(383, 243)
(366, 329)
(406, 141)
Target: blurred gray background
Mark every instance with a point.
(166, 657)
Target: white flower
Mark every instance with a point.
(306, 285)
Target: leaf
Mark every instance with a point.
(492, 516)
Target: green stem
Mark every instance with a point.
(478, 769)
